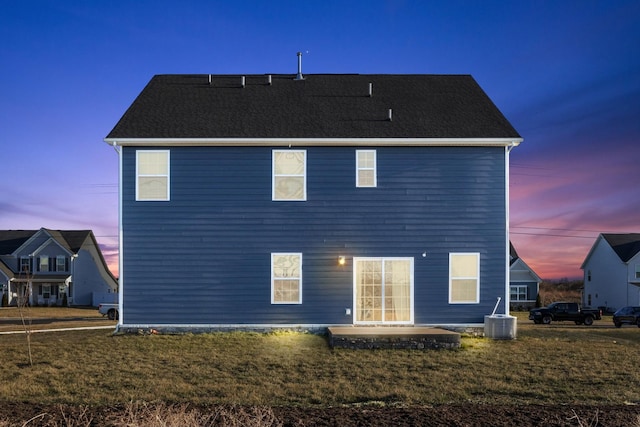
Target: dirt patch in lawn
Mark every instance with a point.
(18, 414)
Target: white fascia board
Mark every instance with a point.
(290, 142)
(591, 251)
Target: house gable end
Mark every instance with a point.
(48, 244)
(91, 245)
(520, 271)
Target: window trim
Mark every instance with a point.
(167, 175)
(274, 278)
(273, 176)
(519, 288)
(476, 278)
(62, 267)
(382, 260)
(45, 289)
(25, 264)
(46, 263)
(362, 168)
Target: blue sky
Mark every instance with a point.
(565, 73)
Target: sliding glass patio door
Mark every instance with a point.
(383, 290)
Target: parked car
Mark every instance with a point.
(627, 316)
(560, 311)
(109, 310)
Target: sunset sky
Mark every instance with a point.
(565, 73)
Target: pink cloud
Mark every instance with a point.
(560, 203)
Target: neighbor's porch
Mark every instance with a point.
(39, 291)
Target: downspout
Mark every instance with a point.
(507, 287)
(72, 294)
(9, 300)
(120, 246)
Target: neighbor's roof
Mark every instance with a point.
(626, 246)
(512, 253)
(336, 106)
(10, 240)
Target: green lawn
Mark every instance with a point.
(559, 363)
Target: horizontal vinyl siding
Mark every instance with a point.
(204, 256)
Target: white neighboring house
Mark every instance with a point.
(524, 283)
(612, 271)
(53, 267)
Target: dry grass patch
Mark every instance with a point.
(53, 312)
(545, 365)
(42, 318)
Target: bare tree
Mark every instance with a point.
(24, 284)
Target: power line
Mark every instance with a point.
(551, 235)
(555, 229)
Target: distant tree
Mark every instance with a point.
(538, 300)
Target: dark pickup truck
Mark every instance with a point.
(562, 311)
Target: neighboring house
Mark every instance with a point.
(47, 267)
(267, 201)
(524, 283)
(612, 272)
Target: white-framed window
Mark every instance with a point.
(25, 264)
(464, 278)
(637, 271)
(383, 290)
(152, 175)
(61, 263)
(289, 176)
(366, 175)
(518, 292)
(43, 263)
(46, 291)
(286, 278)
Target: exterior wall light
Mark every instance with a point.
(341, 260)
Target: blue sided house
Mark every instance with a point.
(290, 201)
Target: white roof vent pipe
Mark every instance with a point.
(390, 115)
(370, 90)
(269, 79)
(242, 81)
(299, 76)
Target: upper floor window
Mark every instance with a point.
(43, 263)
(464, 278)
(637, 271)
(25, 264)
(152, 175)
(366, 175)
(61, 263)
(289, 178)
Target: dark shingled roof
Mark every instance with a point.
(10, 240)
(512, 253)
(320, 106)
(626, 246)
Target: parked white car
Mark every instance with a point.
(109, 310)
